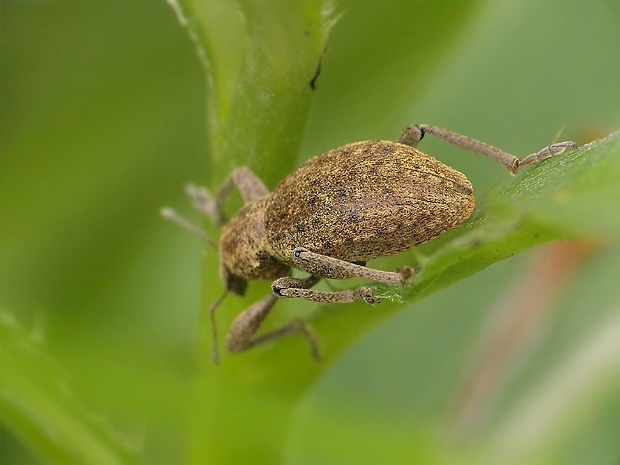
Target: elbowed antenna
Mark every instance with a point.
(215, 352)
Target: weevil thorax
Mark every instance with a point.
(244, 250)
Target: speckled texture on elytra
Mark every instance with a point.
(365, 200)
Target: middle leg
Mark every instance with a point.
(334, 268)
(329, 267)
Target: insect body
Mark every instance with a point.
(365, 200)
(333, 214)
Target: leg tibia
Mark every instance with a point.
(334, 268)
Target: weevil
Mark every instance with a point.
(331, 216)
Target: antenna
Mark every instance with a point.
(171, 215)
(215, 353)
(204, 202)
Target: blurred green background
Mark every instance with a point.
(103, 120)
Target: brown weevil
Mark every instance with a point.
(331, 216)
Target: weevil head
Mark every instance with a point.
(244, 250)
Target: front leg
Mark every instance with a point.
(242, 332)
